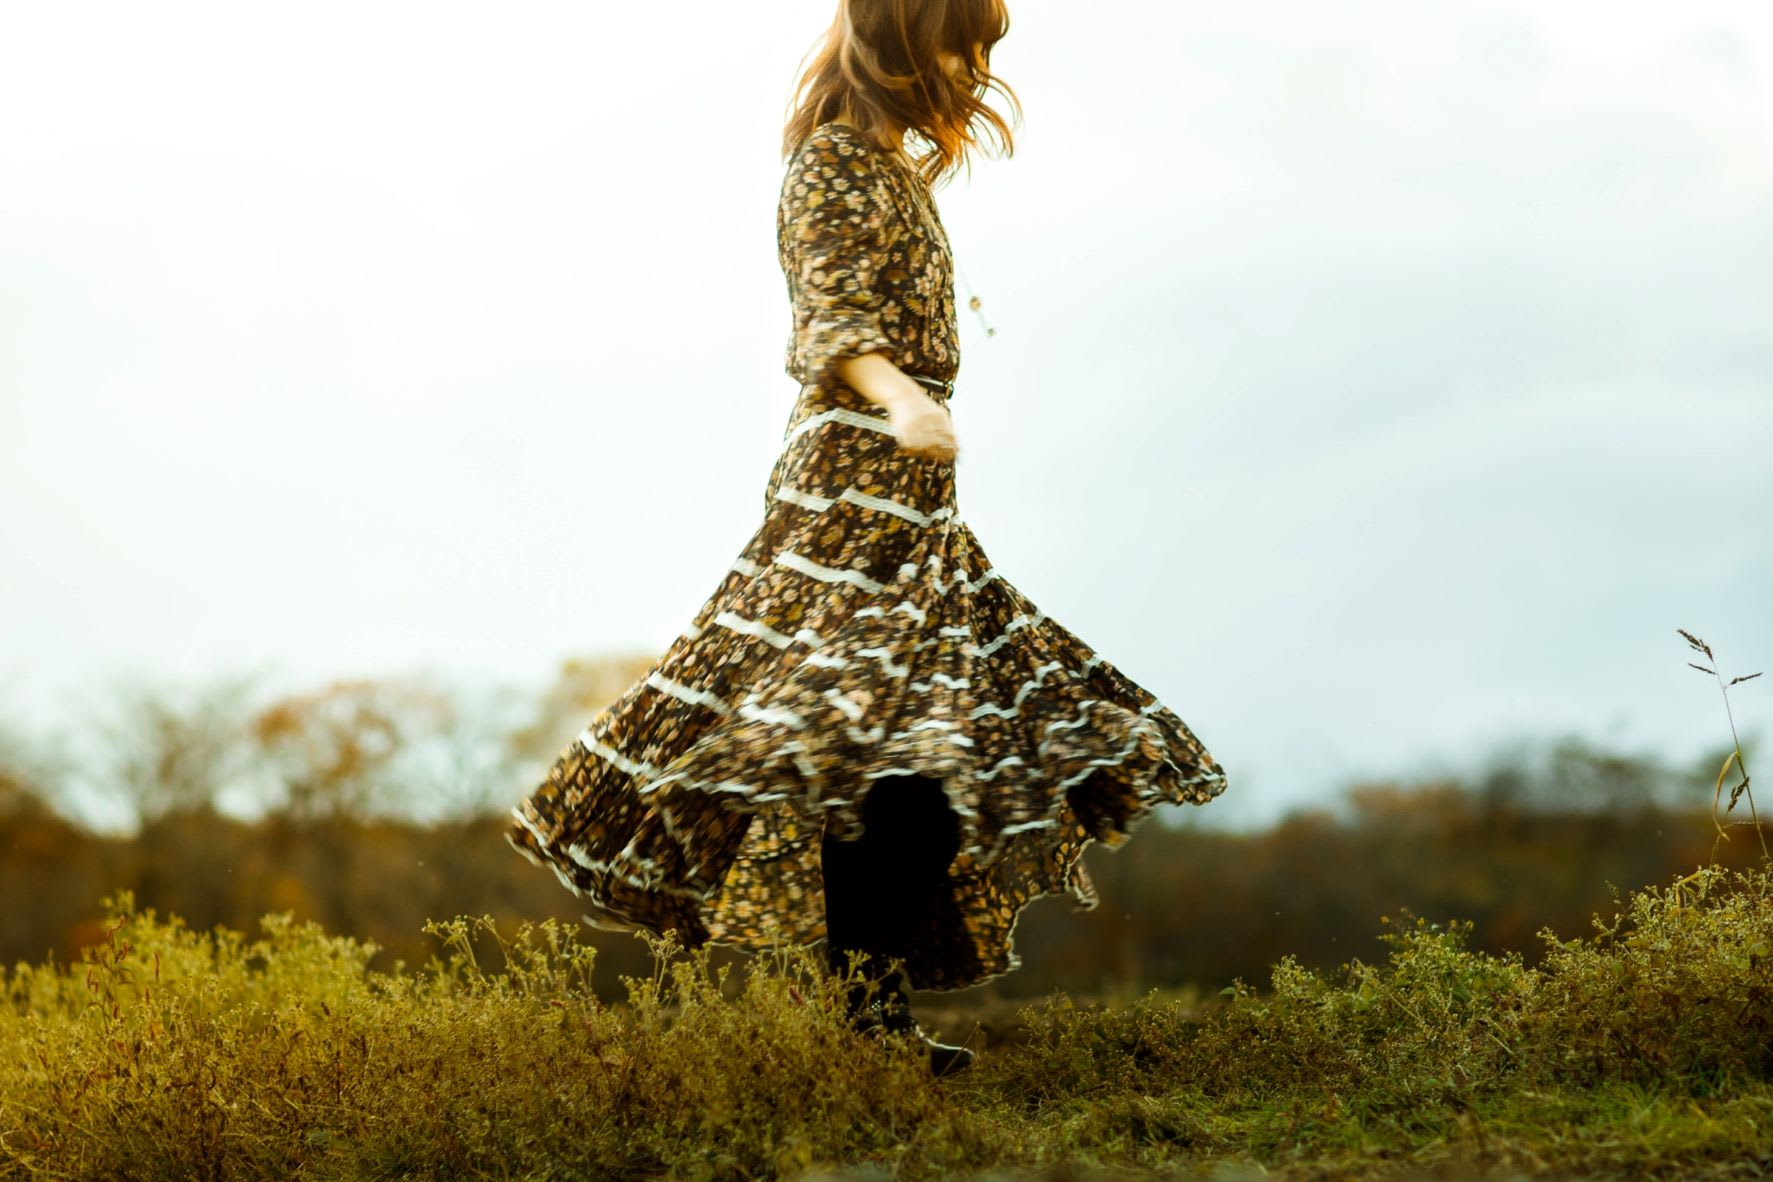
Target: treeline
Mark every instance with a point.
(372, 806)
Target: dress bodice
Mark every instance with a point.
(866, 259)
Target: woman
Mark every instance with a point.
(867, 734)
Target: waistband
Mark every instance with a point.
(947, 387)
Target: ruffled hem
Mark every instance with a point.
(1040, 746)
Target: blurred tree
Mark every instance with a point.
(167, 756)
(29, 775)
(454, 759)
(333, 749)
(385, 806)
(1593, 779)
(476, 770)
(40, 848)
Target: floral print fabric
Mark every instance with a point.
(860, 634)
(867, 261)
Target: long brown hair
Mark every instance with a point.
(880, 56)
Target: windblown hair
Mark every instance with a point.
(880, 56)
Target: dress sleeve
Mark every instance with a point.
(834, 221)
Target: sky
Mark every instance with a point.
(1375, 382)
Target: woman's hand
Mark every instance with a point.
(922, 425)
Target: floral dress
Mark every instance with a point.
(862, 633)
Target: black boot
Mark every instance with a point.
(879, 890)
(876, 993)
(944, 1057)
(881, 1006)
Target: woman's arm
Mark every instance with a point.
(921, 425)
(833, 220)
(878, 379)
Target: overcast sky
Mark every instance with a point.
(1374, 381)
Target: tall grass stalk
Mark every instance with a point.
(1735, 758)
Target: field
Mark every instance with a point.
(1641, 1050)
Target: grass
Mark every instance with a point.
(1643, 1050)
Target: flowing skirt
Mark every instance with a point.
(861, 634)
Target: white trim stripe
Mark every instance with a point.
(939, 723)
(745, 790)
(805, 500)
(828, 574)
(1028, 687)
(997, 767)
(830, 661)
(523, 819)
(1067, 724)
(850, 710)
(884, 505)
(912, 610)
(842, 415)
(1022, 621)
(886, 660)
(578, 855)
(772, 714)
(1106, 760)
(746, 709)
(819, 503)
(639, 769)
(684, 693)
(951, 682)
(959, 579)
(766, 633)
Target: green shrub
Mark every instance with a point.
(172, 1053)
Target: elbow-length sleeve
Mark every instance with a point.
(834, 219)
